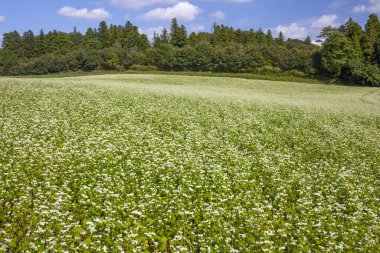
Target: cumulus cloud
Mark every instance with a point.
(197, 28)
(373, 6)
(233, 1)
(219, 15)
(294, 30)
(310, 27)
(140, 3)
(99, 13)
(239, 1)
(143, 3)
(2, 19)
(325, 20)
(184, 11)
(151, 30)
(360, 8)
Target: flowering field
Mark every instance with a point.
(145, 163)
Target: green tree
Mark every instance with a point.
(269, 36)
(40, 45)
(178, 34)
(337, 51)
(377, 52)
(143, 42)
(90, 40)
(260, 36)
(160, 39)
(280, 39)
(165, 36)
(115, 35)
(76, 38)
(308, 40)
(103, 35)
(372, 36)
(327, 32)
(355, 34)
(131, 36)
(12, 42)
(28, 44)
(58, 42)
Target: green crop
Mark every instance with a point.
(145, 163)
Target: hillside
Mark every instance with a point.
(160, 163)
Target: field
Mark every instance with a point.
(155, 163)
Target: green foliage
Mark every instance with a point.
(178, 34)
(40, 44)
(268, 70)
(351, 54)
(204, 55)
(359, 73)
(223, 34)
(269, 36)
(28, 44)
(372, 36)
(103, 35)
(137, 67)
(337, 51)
(355, 34)
(295, 73)
(308, 40)
(154, 163)
(109, 59)
(57, 43)
(90, 61)
(9, 64)
(281, 39)
(76, 39)
(162, 57)
(225, 49)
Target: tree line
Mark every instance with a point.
(349, 53)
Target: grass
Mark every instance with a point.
(161, 163)
(183, 73)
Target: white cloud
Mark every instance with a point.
(184, 11)
(197, 28)
(239, 1)
(233, 1)
(294, 30)
(310, 27)
(2, 19)
(374, 6)
(219, 15)
(99, 13)
(325, 20)
(140, 3)
(317, 42)
(360, 8)
(151, 30)
(158, 30)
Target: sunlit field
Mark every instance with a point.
(152, 163)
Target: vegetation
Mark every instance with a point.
(347, 54)
(143, 69)
(145, 163)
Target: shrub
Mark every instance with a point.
(268, 70)
(138, 67)
(58, 64)
(129, 58)
(39, 66)
(295, 73)
(90, 61)
(361, 74)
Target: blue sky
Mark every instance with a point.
(296, 18)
